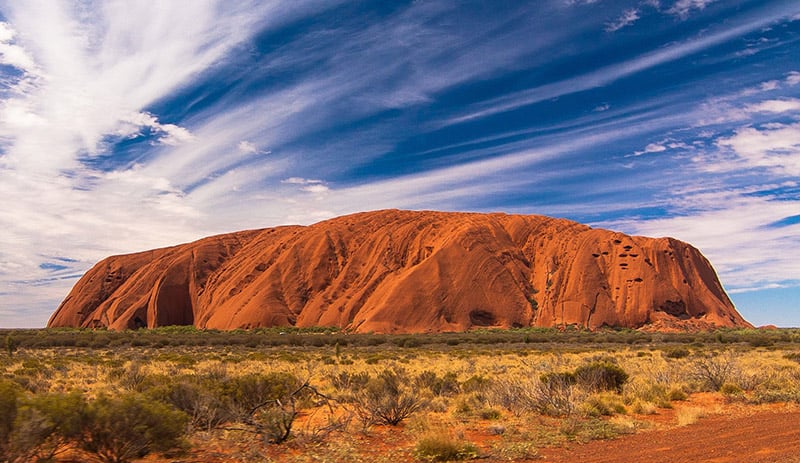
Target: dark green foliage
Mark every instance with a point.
(346, 381)
(10, 345)
(205, 408)
(677, 353)
(388, 398)
(794, 356)
(601, 376)
(46, 424)
(446, 385)
(252, 391)
(9, 396)
(561, 377)
(476, 383)
(328, 336)
(267, 403)
(120, 429)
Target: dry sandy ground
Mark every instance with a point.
(765, 437)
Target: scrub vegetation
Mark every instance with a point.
(324, 395)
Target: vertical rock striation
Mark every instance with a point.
(405, 272)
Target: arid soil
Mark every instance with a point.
(730, 433)
(763, 437)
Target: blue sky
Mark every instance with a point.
(131, 125)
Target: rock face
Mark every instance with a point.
(407, 272)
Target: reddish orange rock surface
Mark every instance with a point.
(408, 272)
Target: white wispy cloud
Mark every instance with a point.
(651, 148)
(731, 228)
(86, 74)
(775, 106)
(682, 8)
(90, 78)
(776, 147)
(247, 147)
(628, 18)
(12, 54)
(611, 73)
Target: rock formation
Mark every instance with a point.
(407, 272)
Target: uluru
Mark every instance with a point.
(394, 271)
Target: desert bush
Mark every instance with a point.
(512, 394)
(490, 414)
(656, 394)
(601, 376)
(712, 371)
(388, 398)
(267, 403)
(346, 381)
(643, 407)
(129, 426)
(441, 446)
(476, 383)
(677, 353)
(205, 409)
(10, 345)
(9, 395)
(133, 377)
(48, 424)
(555, 397)
(552, 394)
(602, 404)
(793, 356)
(446, 385)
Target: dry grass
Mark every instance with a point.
(499, 430)
(689, 415)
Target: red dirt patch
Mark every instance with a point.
(765, 437)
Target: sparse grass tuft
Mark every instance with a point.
(441, 446)
(689, 415)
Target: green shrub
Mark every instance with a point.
(476, 383)
(10, 345)
(267, 402)
(601, 376)
(48, 424)
(730, 389)
(603, 404)
(206, 410)
(446, 385)
(490, 414)
(9, 396)
(440, 446)
(388, 398)
(346, 381)
(677, 353)
(120, 429)
(564, 377)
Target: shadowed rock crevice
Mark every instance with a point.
(408, 272)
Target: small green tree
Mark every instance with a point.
(601, 376)
(268, 403)
(9, 396)
(48, 424)
(10, 345)
(119, 429)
